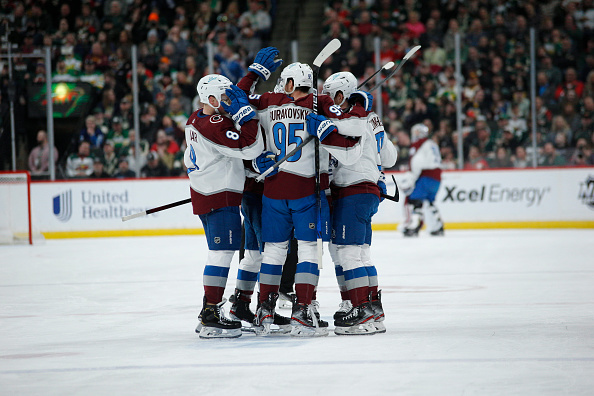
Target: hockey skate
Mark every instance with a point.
(358, 321)
(315, 306)
(344, 307)
(439, 232)
(264, 316)
(306, 323)
(240, 311)
(285, 300)
(378, 312)
(214, 324)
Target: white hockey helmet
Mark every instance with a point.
(300, 73)
(418, 131)
(344, 82)
(212, 85)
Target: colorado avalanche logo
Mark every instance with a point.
(216, 118)
(586, 194)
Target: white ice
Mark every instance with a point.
(493, 312)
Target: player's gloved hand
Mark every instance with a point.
(264, 161)
(381, 183)
(264, 63)
(407, 183)
(363, 96)
(240, 108)
(319, 126)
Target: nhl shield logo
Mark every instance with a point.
(63, 206)
(312, 226)
(217, 240)
(586, 194)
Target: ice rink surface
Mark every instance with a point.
(493, 312)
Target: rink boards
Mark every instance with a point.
(532, 198)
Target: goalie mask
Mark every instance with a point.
(300, 73)
(344, 82)
(212, 85)
(419, 131)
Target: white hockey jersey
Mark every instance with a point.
(425, 159)
(214, 158)
(377, 152)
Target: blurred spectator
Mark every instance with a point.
(502, 159)
(228, 64)
(118, 136)
(475, 159)
(124, 170)
(166, 147)
(549, 156)
(92, 134)
(520, 159)
(255, 26)
(39, 156)
(98, 170)
(571, 84)
(80, 165)
(109, 157)
(154, 167)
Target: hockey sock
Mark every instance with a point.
(344, 295)
(307, 273)
(271, 270)
(355, 274)
(247, 275)
(215, 275)
(371, 269)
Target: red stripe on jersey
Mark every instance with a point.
(336, 140)
(288, 186)
(432, 173)
(221, 130)
(202, 204)
(360, 188)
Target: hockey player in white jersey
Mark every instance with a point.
(356, 192)
(219, 137)
(421, 184)
(289, 200)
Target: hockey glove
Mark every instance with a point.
(264, 63)
(364, 97)
(407, 184)
(319, 126)
(381, 183)
(264, 161)
(240, 108)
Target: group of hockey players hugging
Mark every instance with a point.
(235, 137)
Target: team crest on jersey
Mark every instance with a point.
(312, 226)
(217, 240)
(216, 118)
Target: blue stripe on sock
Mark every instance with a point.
(355, 273)
(307, 267)
(247, 275)
(271, 269)
(371, 271)
(338, 270)
(211, 270)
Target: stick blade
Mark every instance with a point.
(328, 50)
(411, 52)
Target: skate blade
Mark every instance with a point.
(214, 332)
(302, 331)
(379, 327)
(361, 329)
(262, 330)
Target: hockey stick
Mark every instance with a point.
(408, 55)
(157, 209)
(396, 196)
(387, 66)
(328, 50)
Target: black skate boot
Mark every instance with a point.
(264, 316)
(358, 321)
(439, 232)
(240, 311)
(281, 324)
(305, 323)
(378, 312)
(214, 324)
(344, 307)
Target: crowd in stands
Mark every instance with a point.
(92, 41)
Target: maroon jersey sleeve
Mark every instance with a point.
(221, 131)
